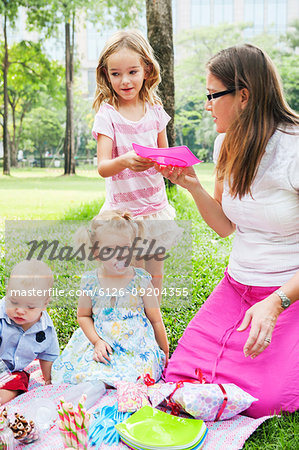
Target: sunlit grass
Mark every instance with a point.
(34, 193)
(46, 194)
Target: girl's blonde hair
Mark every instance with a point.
(133, 40)
(247, 66)
(113, 221)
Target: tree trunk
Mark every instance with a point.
(160, 35)
(13, 147)
(6, 153)
(69, 161)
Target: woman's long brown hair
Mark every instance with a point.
(247, 66)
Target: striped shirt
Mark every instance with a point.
(140, 193)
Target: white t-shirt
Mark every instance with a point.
(266, 243)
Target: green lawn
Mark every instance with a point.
(46, 194)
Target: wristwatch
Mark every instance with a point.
(285, 301)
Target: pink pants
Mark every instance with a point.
(212, 343)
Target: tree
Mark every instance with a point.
(284, 53)
(47, 14)
(47, 135)
(9, 11)
(194, 48)
(292, 36)
(160, 35)
(85, 145)
(30, 75)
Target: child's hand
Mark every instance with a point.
(167, 359)
(102, 351)
(183, 176)
(136, 163)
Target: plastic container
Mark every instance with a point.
(24, 430)
(43, 412)
(77, 441)
(7, 441)
(174, 156)
(93, 390)
(5, 374)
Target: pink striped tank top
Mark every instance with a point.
(140, 193)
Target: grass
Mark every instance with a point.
(45, 194)
(35, 193)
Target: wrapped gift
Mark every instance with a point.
(160, 392)
(211, 402)
(131, 396)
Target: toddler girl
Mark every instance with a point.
(121, 334)
(130, 111)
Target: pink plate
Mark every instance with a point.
(173, 156)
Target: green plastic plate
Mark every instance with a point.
(150, 428)
(197, 446)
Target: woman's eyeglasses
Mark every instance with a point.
(219, 94)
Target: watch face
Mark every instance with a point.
(285, 302)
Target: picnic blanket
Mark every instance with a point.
(227, 434)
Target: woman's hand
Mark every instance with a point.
(183, 176)
(262, 316)
(102, 351)
(134, 162)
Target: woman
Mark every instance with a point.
(247, 331)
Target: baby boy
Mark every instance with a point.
(26, 329)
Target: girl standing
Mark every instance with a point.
(130, 111)
(121, 334)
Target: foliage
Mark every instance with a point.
(9, 11)
(292, 36)
(194, 126)
(31, 77)
(47, 135)
(46, 15)
(85, 144)
(194, 48)
(286, 60)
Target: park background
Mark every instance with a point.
(48, 53)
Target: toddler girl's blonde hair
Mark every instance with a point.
(133, 40)
(111, 221)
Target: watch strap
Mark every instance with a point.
(285, 301)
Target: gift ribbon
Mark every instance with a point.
(148, 381)
(175, 409)
(224, 403)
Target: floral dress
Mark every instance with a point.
(125, 327)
